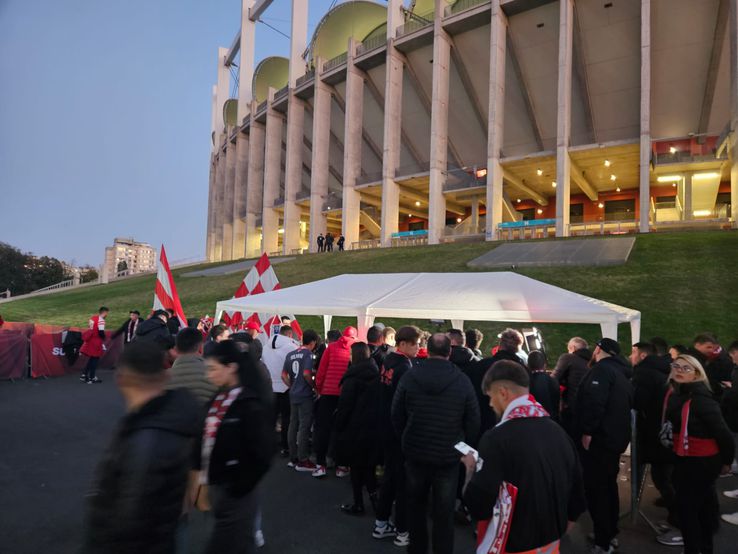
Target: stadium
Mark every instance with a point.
(430, 121)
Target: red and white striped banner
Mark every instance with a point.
(165, 293)
(260, 278)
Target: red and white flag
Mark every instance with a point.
(260, 278)
(165, 293)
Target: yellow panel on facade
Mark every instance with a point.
(271, 72)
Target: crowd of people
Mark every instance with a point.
(325, 242)
(422, 424)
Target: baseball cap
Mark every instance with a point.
(609, 346)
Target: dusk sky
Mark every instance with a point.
(105, 119)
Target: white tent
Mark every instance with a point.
(493, 296)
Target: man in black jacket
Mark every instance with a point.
(434, 408)
(461, 356)
(377, 347)
(650, 382)
(715, 360)
(139, 486)
(128, 329)
(569, 371)
(530, 452)
(604, 402)
(396, 365)
(155, 330)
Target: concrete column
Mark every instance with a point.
(439, 128)
(218, 208)
(246, 61)
(221, 93)
(240, 196)
(563, 118)
(272, 176)
(353, 125)
(495, 123)
(474, 213)
(392, 126)
(293, 173)
(688, 209)
(645, 152)
(228, 196)
(255, 184)
(211, 205)
(320, 157)
(733, 141)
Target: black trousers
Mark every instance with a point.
(282, 410)
(91, 367)
(363, 473)
(393, 490)
(440, 483)
(662, 477)
(324, 415)
(600, 469)
(697, 502)
(235, 516)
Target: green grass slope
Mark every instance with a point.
(683, 283)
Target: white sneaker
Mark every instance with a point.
(259, 539)
(319, 471)
(671, 538)
(384, 531)
(402, 539)
(730, 518)
(731, 494)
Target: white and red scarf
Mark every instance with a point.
(492, 534)
(216, 413)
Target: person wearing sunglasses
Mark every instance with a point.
(704, 449)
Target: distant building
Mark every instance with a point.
(139, 257)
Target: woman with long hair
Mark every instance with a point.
(235, 450)
(704, 450)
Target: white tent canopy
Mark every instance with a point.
(492, 296)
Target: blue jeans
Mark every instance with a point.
(441, 482)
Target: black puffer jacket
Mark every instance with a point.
(718, 369)
(569, 372)
(243, 447)
(462, 357)
(379, 353)
(156, 331)
(434, 408)
(357, 421)
(705, 419)
(476, 372)
(604, 402)
(650, 378)
(136, 498)
(396, 364)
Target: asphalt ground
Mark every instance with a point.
(53, 432)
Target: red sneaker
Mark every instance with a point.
(305, 465)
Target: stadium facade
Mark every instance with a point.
(441, 120)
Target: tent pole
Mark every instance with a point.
(326, 324)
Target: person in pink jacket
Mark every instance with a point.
(333, 365)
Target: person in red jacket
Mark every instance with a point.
(93, 339)
(333, 365)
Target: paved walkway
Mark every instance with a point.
(238, 267)
(54, 431)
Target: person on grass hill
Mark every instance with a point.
(704, 448)
(188, 371)
(356, 426)
(433, 409)
(273, 355)
(93, 345)
(139, 487)
(333, 366)
(392, 491)
(298, 373)
(604, 401)
(527, 456)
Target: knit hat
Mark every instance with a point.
(609, 346)
(253, 325)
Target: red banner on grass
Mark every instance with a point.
(13, 354)
(48, 360)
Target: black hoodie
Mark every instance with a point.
(396, 364)
(357, 421)
(650, 378)
(156, 331)
(462, 357)
(139, 485)
(434, 408)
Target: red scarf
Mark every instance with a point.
(523, 407)
(215, 416)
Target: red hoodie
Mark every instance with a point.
(334, 363)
